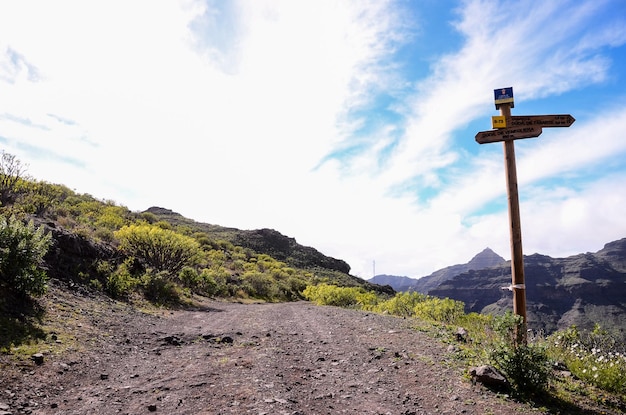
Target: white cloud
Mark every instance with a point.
(224, 112)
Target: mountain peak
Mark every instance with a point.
(485, 259)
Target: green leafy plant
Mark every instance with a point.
(402, 304)
(526, 365)
(161, 249)
(189, 277)
(595, 356)
(121, 283)
(327, 294)
(22, 248)
(444, 310)
(11, 172)
(159, 289)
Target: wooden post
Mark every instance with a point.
(508, 129)
(517, 258)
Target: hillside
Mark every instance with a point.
(580, 290)
(85, 250)
(276, 245)
(266, 241)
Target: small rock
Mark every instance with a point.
(152, 408)
(461, 335)
(37, 358)
(489, 376)
(104, 376)
(173, 340)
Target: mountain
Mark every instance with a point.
(580, 290)
(484, 259)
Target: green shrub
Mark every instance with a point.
(259, 285)
(121, 284)
(443, 310)
(214, 281)
(596, 357)
(208, 283)
(22, 248)
(11, 172)
(402, 304)
(112, 217)
(161, 249)
(367, 300)
(189, 277)
(526, 366)
(159, 288)
(325, 294)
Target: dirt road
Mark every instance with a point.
(292, 358)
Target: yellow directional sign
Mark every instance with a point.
(558, 120)
(498, 121)
(507, 134)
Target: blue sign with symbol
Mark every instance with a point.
(503, 96)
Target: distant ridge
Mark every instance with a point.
(484, 259)
(582, 290)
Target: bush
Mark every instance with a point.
(214, 281)
(22, 248)
(121, 283)
(189, 277)
(259, 285)
(11, 172)
(402, 304)
(161, 249)
(325, 294)
(595, 357)
(159, 289)
(526, 366)
(444, 310)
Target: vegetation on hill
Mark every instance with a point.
(157, 253)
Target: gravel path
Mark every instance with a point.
(229, 358)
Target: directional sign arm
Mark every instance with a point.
(507, 134)
(557, 120)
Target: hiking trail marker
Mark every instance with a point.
(508, 128)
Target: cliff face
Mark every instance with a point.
(580, 290)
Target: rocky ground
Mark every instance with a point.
(104, 357)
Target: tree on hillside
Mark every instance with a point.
(11, 171)
(22, 248)
(161, 249)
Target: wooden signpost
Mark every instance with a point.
(507, 129)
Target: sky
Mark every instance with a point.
(347, 125)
